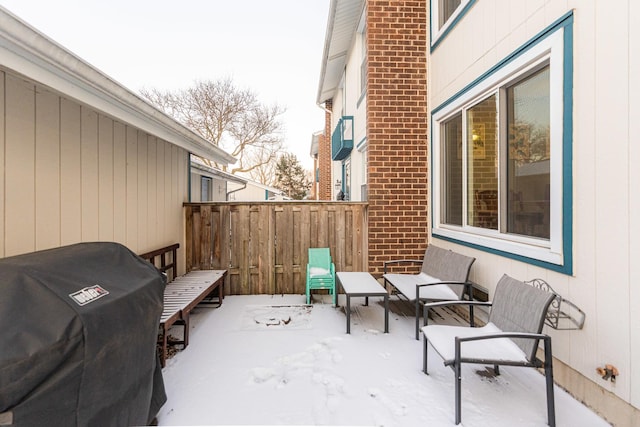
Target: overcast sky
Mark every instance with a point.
(273, 47)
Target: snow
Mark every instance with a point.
(271, 360)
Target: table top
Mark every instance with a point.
(356, 282)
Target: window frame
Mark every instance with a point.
(364, 51)
(554, 45)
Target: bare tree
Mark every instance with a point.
(231, 118)
(265, 172)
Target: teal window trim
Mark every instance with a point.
(565, 23)
(454, 22)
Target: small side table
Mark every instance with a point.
(362, 284)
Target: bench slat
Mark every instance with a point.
(182, 293)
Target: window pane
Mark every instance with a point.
(482, 155)
(452, 179)
(205, 189)
(445, 10)
(528, 175)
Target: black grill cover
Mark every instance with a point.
(78, 331)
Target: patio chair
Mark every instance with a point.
(510, 337)
(321, 273)
(443, 277)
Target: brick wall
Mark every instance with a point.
(397, 130)
(324, 157)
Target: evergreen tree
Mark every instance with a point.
(291, 177)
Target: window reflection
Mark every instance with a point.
(482, 152)
(529, 154)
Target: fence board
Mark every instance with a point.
(263, 245)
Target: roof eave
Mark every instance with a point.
(347, 14)
(28, 52)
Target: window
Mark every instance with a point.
(346, 178)
(528, 156)
(206, 185)
(364, 168)
(501, 149)
(362, 36)
(363, 63)
(445, 10)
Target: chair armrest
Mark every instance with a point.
(526, 335)
(510, 335)
(399, 261)
(445, 282)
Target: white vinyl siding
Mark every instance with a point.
(444, 14)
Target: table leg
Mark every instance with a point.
(348, 314)
(386, 314)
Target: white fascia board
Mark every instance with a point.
(344, 17)
(217, 172)
(30, 53)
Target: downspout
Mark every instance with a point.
(189, 177)
(326, 110)
(237, 189)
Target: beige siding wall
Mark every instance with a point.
(71, 174)
(606, 181)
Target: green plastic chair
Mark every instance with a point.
(321, 272)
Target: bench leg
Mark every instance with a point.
(163, 345)
(186, 330)
(209, 299)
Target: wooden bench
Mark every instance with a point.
(182, 293)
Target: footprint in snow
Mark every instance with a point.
(397, 409)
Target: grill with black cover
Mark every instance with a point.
(78, 331)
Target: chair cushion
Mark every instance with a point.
(442, 339)
(318, 271)
(406, 285)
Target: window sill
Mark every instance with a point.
(529, 250)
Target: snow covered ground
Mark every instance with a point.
(269, 360)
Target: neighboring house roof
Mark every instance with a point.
(26, 51)
(196, 163)
(273, 190)
(315, 143)
(344, 16)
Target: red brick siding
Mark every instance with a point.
(324, 156)
(397, 130)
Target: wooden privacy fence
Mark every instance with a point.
(263, 245)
